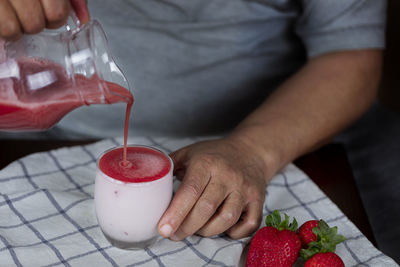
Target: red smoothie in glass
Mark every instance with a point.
(143, 165)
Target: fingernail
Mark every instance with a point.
(166, 230)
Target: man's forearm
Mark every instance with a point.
(320, 100)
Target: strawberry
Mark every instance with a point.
(327, 259)
(306, 234)
(318, 237)
(276, 244)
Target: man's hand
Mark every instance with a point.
(32, 16)
(222, 190)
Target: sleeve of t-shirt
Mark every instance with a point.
(338, 25)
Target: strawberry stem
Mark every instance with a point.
(275, 220)
(327, 239)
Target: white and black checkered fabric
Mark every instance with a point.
(47, 216)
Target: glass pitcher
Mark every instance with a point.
(46, 75)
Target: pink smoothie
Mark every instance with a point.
(130, 200)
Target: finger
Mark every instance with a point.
(179, 158)
(9, 23)
(81, 10)
(249, 222)
(185, 198)
(56, 12)
(226, 216)
(30, 15)
(203, 210)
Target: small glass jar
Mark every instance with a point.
(128, 212)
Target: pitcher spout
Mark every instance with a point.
(97, 62)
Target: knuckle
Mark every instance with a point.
(57, 15)
(206, 160)
(193, 189)
(34, 26)
(203, 233)
(233, 236)
(230, 217)
(240, 198)
(180, 216)
(237, 179)
(256, 195)
(207, 207)
(9, 29)
(218, 187)
(252, 224)
(215, 164)
(259, 198)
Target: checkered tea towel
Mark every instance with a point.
(47, 216)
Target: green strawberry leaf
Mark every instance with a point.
(337, 239)
(294, 225)
(323, 225)
(275, 220)
(308, 253)
(327, 239)
(284, 224)
(276, 217)
(268, 221)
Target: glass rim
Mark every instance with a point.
(116, 181)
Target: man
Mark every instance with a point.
(276, 78)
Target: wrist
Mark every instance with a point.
(267, 151)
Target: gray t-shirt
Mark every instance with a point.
(200, 66)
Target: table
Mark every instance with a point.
(328, 167)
